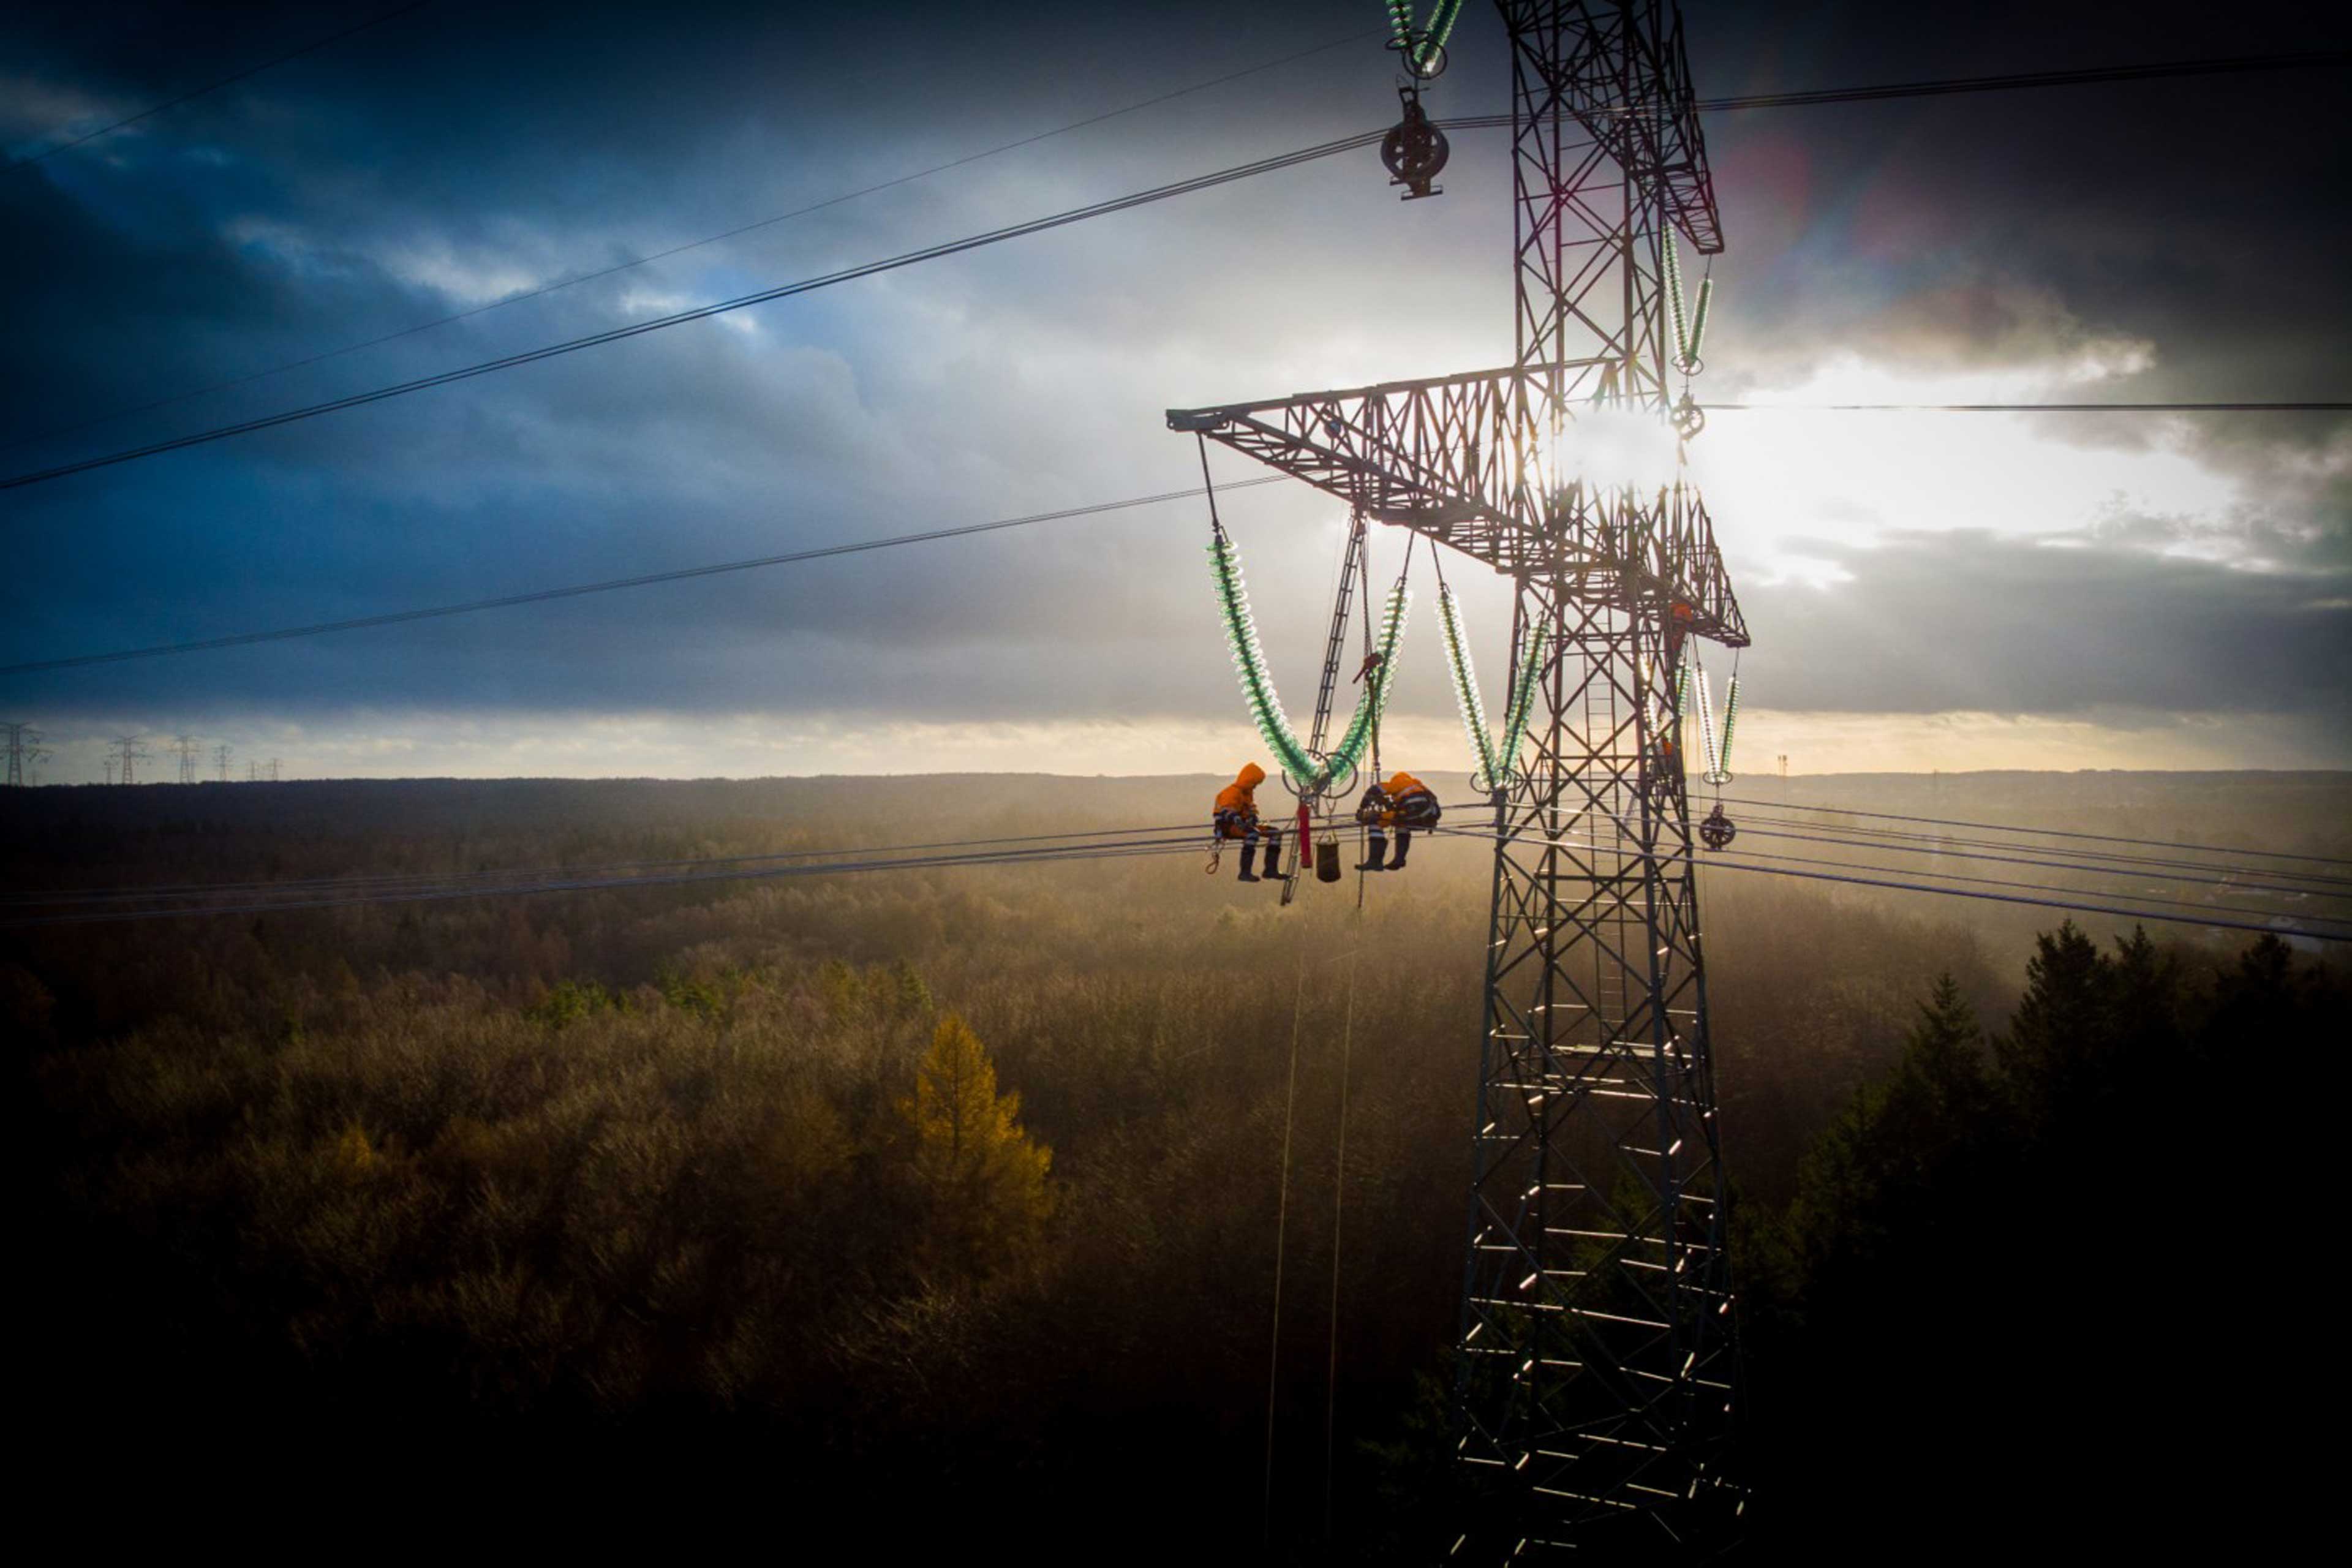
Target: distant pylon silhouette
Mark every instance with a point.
(23, 750)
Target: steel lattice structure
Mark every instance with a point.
(1597, 1373)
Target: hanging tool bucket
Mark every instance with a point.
(1327, 860)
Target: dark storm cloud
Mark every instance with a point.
(442, 159)
(1983, 622)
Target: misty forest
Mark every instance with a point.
(940, 1204)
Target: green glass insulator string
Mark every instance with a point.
(1307, 773)
(1249, 663)
(1420, 45)
(1715, 754)
(1670, 257)
(1731, 717)
(1466, 682)
(1523, 698)
(1689, 323)
(1495, 763)
(1705, 722)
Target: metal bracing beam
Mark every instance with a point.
(1439, 456)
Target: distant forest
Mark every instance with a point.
(921, 1212)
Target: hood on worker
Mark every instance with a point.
(1251, 776)
(1400, 782)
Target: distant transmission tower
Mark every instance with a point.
(110, 770)
(220, 759)
(129, 750)
(273, 770)
(24, 750)
(185, 746)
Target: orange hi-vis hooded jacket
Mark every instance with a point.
(1410, 803)
(1239, 799)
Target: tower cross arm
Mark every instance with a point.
(1458, 460)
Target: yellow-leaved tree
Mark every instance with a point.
(981, 1179)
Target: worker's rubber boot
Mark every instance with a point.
(1403, 843)
(1371, 861)
(1249, 863)
(1274, 862)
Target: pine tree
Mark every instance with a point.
(2256, 1003)
(2056, 1057)
(981, 1177)
(1899, 1144)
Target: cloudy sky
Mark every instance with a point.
(1926, 590)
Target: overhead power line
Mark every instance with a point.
(2125, 911)
(1190, 843)
(2027, 407)
(1735, 860)
(2218, 65)
(2110, 862)
(214, 87)
(590, 277)
(2040, 832)
(1938, 87)
(1112, 843)
(611, 585)
(2234, 878)
(701, 312)
(1099, 209)
(1325, 821)
(397, 880)
(1881, 847)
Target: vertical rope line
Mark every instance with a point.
(1281, 1227)
(1338, 1208)
(1209, 487)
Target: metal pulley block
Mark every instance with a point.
(1414, 151)
(1717, 832)
(1689, 417)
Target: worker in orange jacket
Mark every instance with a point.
(1236, 817)
(1402, 804)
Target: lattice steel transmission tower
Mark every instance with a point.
(1597, 1373)
(23, 750)
(129, 749)
(220, 761)
(185, 748)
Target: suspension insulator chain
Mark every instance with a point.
(1303, 771)
(1423, 49)
(1731, 717)
(1497, 762)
